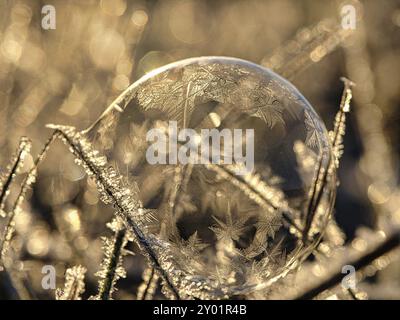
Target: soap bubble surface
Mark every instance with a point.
(236, 230)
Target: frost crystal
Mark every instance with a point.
(74, 284)
(111, 268)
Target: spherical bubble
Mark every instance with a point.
(256, 202)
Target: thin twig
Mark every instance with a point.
(113, 259)
(391, 243)
(131, 225)
(13, 168)
(26, 184)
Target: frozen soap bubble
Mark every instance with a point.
(240, 217)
